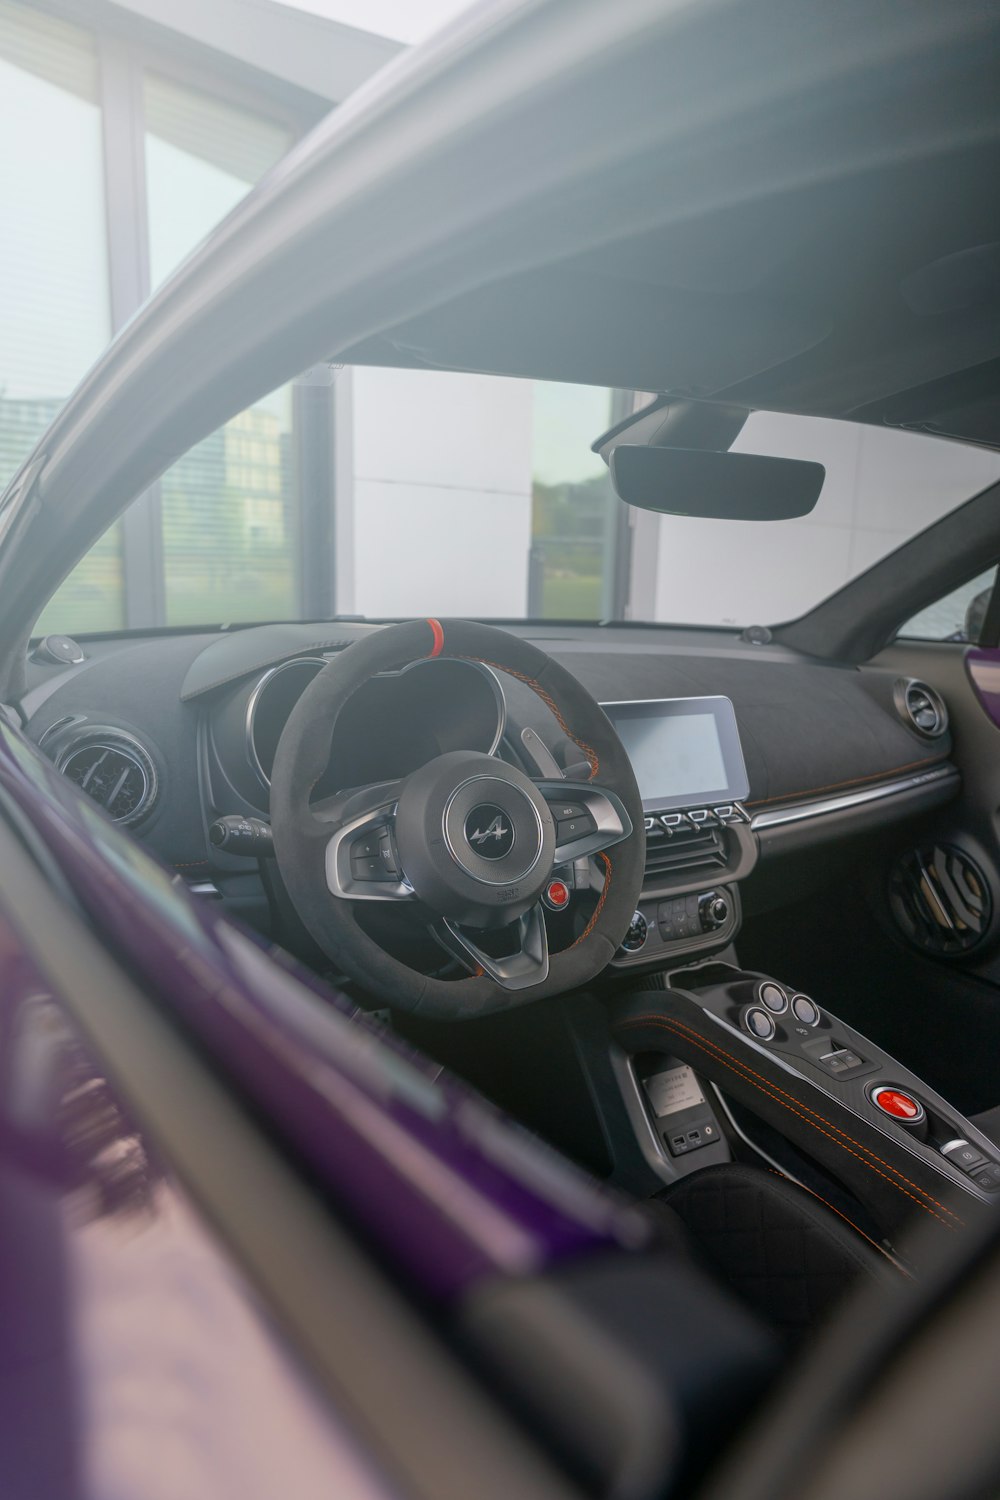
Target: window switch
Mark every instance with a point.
(840, 1061)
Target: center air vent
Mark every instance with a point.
(920, 707)
(940, 900)
(113, 769)
(690, 849)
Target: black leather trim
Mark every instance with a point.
(893, 1187)
(896, 1397)
(787, 1256)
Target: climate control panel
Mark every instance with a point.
(669, 925)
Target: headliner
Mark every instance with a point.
(874, 295)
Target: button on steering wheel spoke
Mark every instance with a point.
(362, 858)
(587, 818)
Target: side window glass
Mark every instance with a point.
(958, 616)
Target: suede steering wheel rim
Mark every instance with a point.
(472, 838)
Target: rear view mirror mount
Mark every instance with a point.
(708, 484)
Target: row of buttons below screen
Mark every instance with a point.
(660, 825)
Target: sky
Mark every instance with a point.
(403, 20)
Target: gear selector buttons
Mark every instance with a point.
(759, 1023)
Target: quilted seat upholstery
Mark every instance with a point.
(779, 1248)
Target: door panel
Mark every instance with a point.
(971, 822)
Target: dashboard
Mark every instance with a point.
(750, 758)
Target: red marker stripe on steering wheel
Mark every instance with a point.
(437, 631)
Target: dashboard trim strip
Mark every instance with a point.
(820, 806)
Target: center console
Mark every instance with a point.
(689, 764)
(708, 1043)
(897, 1147)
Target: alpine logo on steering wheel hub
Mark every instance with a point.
(490, 831)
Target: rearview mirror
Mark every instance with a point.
(721, 486)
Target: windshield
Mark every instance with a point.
(388, 493)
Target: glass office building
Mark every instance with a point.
(123, 141)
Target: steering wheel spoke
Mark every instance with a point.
(528, 964)
(588, 818)
(362, 858)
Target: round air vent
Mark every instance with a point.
(940, 899)
(113, 769)
(920, 707)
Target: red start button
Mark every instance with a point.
(557, 894)
(897, 1104)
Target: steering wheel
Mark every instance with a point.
(470, 837)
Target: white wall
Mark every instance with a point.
(441, 493)
(436, 518)
(881, 487)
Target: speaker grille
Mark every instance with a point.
(941, 900)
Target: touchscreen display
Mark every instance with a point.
(685, 751)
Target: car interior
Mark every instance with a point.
(712, 912)
(712, 915)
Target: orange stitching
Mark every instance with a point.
(834, 1210)
(679, 1030)
(549, 701)
(600, 905)
(832, 786)
(691, 1032)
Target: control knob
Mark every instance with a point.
(637, 933)
(713, 910)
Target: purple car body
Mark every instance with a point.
(136, 1359)
(136, 1338)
